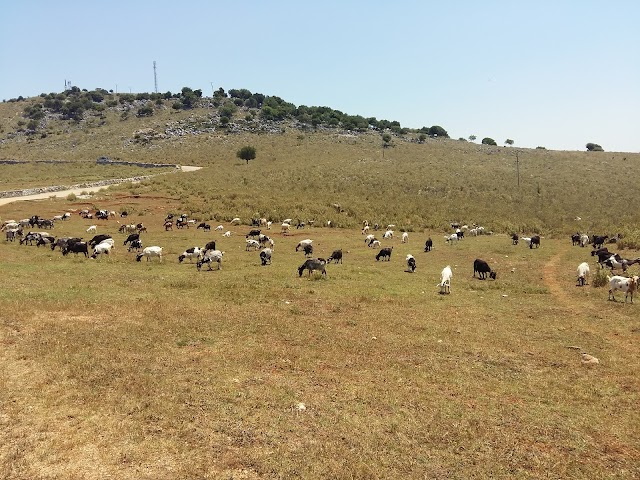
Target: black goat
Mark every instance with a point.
(97, 239)
(428, 245)
(514, 239)
(336, 255)
(206, 227)
(311, 265)
(535, 240)
(79, 247)
(132, 237)
(384, 253)
(598, 240)
(482, 268)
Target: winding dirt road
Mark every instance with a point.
(75, 191)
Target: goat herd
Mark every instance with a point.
(103, 244)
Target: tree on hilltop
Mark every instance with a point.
(489, 141)
(509, 142)
(594, 147)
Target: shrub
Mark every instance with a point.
(72, 197)
(599, 278)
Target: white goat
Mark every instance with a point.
(191, 253)
(388, 234)
(92, 229)
(269, 223)
(150, 252)
(226, 234)
(303, 243)
(583, 274)
(405, 237)
(252, 244)
(375, 244)
(235, 221)
(219, 228)
(285, 228)
(452, 238)
(584, 240)
(627, 285)
(209, 257)
(102, 248)
(445, 280)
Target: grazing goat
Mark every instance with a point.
(514, 239)
(482, 268)
(252, 244)
(335, 255)
(575, 239)
(387, 235)
(583, 274)
(627, 285)
(131, 238)
(150, 252)
(302, 244)
(452, 238)
(584, 240)
(253, 234)
(209, 257)
(78, 247)
(206, 227)
(285, 228)
(535, 240)
(98, 239)
(135, 245)
(102, 248)
(190, 253)
(411, 263)
(219, 228)
(168, 225)
(227, 234)
(311, 265)
(375, 244)
(210, 246)
(428, 245)
(92, 229)
(369, 238)
(384, 253)
(235, 221)
(308, 250)
(445, 280)
(598, 240)
(405, 237)
(63, 242)
(265, 256)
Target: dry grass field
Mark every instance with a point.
(112, 368)
(118, 369)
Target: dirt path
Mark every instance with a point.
(75, 191)
(553, 279)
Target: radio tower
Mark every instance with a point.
(155, 76)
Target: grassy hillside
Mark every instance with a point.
(302, 173)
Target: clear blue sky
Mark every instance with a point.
(549, 73)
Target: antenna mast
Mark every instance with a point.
(155, 76)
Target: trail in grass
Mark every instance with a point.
(553, 279)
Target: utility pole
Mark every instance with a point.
(155, 76)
